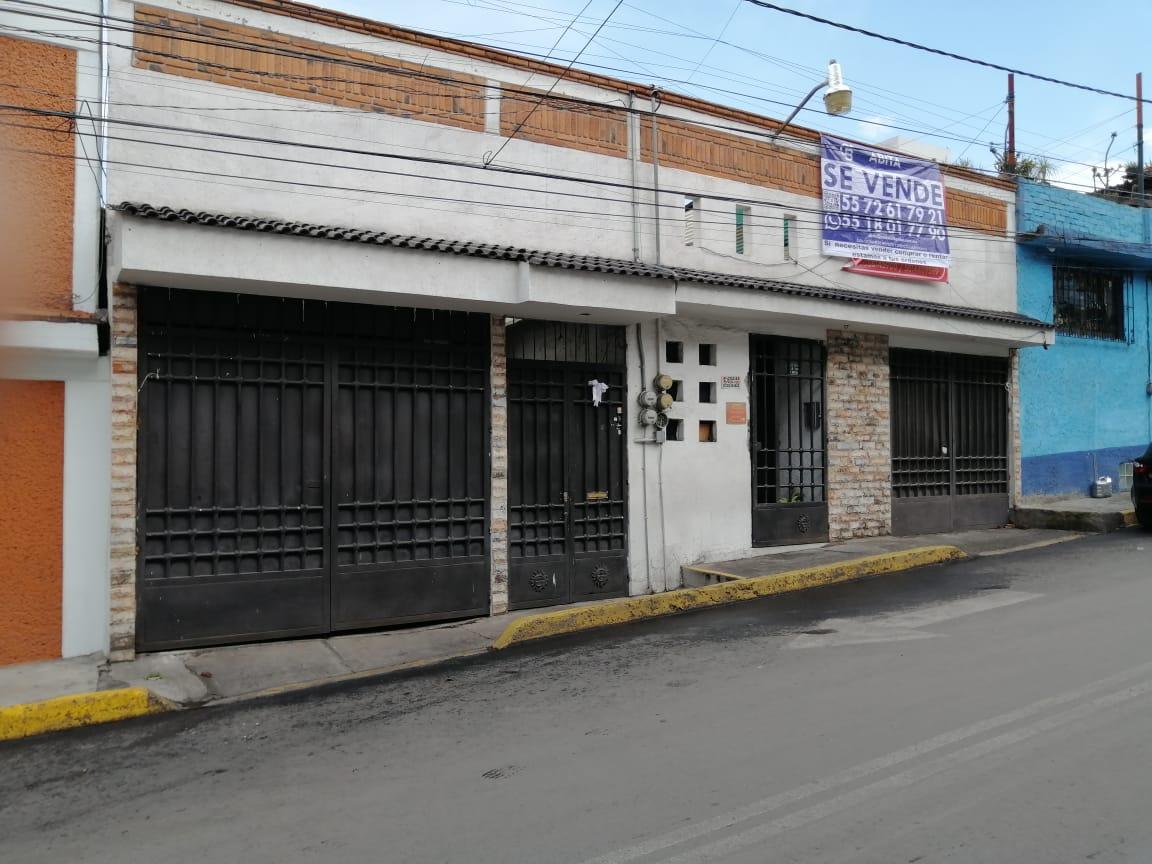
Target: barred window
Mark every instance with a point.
(1090, 303)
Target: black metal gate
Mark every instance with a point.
(307, 467)
(567, 480)
(949, 441)
(788, 442)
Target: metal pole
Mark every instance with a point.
(1010, 156)
(796, 111)
(1140, 138)
(656, 168)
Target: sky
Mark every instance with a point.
(735, 53)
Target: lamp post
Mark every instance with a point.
(837, 98)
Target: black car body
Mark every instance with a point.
(1142, 488)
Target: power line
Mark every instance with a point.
(940, 52)
(488, 161)
(196, 38)
(984, 235)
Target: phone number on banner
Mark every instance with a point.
(843, 221)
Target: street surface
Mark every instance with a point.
(997, 710)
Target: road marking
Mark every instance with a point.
(902, 626)
(767, 805)
(752, 836)
(1039, 544)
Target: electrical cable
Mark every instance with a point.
(940, 52)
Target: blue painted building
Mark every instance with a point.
(1084, 263)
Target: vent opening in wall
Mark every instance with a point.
(707, 354)
(675, 430)
(789, 224)
(743, 215)
(691, 217)
(674, 352)
(707, 431)
(676, 391)
(707, 392)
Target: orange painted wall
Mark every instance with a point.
(31, 519)
(37, 172)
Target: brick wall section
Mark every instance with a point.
(553, 121)
(1015, 441)
(857, 418)
(122, 547)
(498, 530)
(266, 66)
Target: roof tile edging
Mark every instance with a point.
(567, 261)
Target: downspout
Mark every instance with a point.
(644, 460)
(660, 490)
(656, 169)
(634, 156)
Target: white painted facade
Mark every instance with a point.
(68, 351)
(689, 500)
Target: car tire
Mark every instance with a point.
(1144, 517)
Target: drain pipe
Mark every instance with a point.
(633, 157)
(656, 101)
(644, 459)
(660, 488)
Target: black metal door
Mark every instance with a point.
(788, 442)
(276, 494)
(567, 480)
(949, 441)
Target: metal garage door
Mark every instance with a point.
(307, 467)
(949, 441)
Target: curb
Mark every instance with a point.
(629, 609)
(79, 709)
(1083, 522)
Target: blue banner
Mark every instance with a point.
(881, 206)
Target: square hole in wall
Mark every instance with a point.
(707, 354)
(707, 392)
(674, 352)
(675, 430)
(676, 391)
(707, 431)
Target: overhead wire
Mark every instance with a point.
(197, 38)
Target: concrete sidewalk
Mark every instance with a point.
(193, 678)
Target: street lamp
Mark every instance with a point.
(837, 98)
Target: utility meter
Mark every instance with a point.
(662, 381)
(665, 401)
(647, 399)
(648, 416)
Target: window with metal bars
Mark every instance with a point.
(742, 217)
(1091, 303)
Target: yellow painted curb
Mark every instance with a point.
(630, 609)
(80, 709)
(1128, 517)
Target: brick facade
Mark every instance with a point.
(857, 423)
(498, 518)
(122, 546)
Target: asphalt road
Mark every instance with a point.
(997, 710)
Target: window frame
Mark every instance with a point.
(1092, 302)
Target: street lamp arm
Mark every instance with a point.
(797, 110)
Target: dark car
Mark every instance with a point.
(1142, 489)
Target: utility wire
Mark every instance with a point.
(196, 38)
(489, 160)
(939, 51)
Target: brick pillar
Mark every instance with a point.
(1015, 468)
(857, 416)
(498, 519)
(122, 545)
